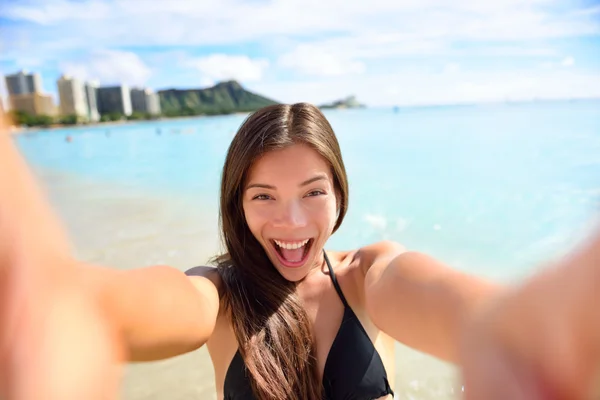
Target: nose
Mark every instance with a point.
(291, 215)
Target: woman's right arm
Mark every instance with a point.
(49, 318)
(158, 312)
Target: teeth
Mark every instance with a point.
(291, 245)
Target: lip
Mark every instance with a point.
(290, 264)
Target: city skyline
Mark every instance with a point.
(384, 52)
(85, 100)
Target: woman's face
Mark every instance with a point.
(291, 208)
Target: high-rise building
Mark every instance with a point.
(72, 97)
(138, 100)
(153, 101)
(23, 83)
(114, 99)
(25, 94)
(34, 104)
(145, 101)
(91, 94)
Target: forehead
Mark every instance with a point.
(296, 162)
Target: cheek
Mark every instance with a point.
(252, 219)
(327, 214)
(258, 216)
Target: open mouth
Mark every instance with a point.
(292, 254)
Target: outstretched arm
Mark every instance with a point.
(419, 301)
(159, 311)
(541, 339)
(65, 326)
(47, 319)
(25, 216)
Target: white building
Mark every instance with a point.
(91, 94)
(145, 101)
(72, 95)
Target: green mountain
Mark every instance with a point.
(348, 102)
(223, 98)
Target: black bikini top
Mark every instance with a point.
(353, 369)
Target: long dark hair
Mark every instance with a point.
(272, 328)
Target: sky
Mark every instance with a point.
(385, 52)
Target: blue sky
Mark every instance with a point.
(386, 52)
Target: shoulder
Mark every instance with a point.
(379, 253)
(357, 266)
(201, 274)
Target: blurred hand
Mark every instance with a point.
(539, 341)
(55, 343)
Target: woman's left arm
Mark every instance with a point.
(419, 301)
(540, 339)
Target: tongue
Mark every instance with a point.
(294, 255)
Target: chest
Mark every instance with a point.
(325, 311)
(330, 324)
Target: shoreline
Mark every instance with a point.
(123, 227)
(16, 130)
(24, 130)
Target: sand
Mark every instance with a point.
(123, 228)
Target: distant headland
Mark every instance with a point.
(348, 102)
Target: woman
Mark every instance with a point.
(304, 321)
(282, 317)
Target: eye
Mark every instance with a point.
(315, 193)
(261, 197)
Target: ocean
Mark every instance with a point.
(497, 190)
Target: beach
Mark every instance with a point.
(493, 191)
(116, 226)
(120, 228)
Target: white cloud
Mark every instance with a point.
(402, 224)
(565, 63)
(316, 60)
(349, 54)
(547, 65)
(590, 11)
(110, 67)
(568, 62)
(57, 11)
(451, 68)
(207, 82)
(218, 67)
(333, 42)
(510, 51)
(376, 221)
(414, 87)
(182, 22)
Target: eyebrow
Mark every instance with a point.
(319, 177)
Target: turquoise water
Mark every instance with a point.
(494, 190)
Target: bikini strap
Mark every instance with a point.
(338, 289)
